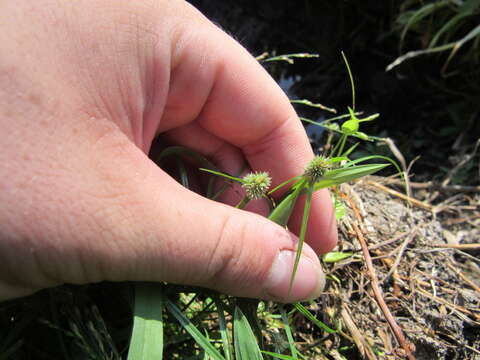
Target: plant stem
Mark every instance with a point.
(243, 203)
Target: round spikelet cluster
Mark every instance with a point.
(256, 184)
(316, 168)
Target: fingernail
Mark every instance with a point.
(309, 279)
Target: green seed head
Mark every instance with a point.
(256, 184)
(316, 168)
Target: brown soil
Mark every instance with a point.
(432, 292)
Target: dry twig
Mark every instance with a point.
(464, 278)
(409, 199)
(400, 253)
(379, 298)
(458, 246)
(448, 304)
(358, 339)
(430, 185)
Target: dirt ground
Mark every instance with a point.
(425, 266)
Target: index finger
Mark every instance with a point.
(246, 108)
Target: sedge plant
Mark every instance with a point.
(323, 171)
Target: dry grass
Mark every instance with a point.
(410, 291)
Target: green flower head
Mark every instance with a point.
(316, 168)
(256, 184)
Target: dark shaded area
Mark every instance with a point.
(422, 108)
(68, 322)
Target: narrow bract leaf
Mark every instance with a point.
(278, 187)
(201, 340)
(338, 159)
(281, 213)
(350, 149)
(303, 231)
(246, 347)
(218, 173)
(342, 175)
(147, 335)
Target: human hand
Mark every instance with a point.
(84, 89)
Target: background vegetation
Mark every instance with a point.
(429, 104)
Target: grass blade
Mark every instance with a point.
(201, 340)
(420, 14)
(304, 311)
(147, 335)
(199, 159)
(249, 308)
(471, 35)
(453, 46)
(223, 328)
(279, 356)
(246, 347)
(288, 330)
(449, 25)
(183, 173)
(178, 151)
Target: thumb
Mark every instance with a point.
(177, 236)
(112, 214)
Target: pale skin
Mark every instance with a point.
(85, 87)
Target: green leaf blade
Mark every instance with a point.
(281, 213)
(201, 340)
(335, 256)
(288, 330)
(223, 329)
(303, 231)
(147, 335)
(246, 346)
(305, 312)
(346, 174)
